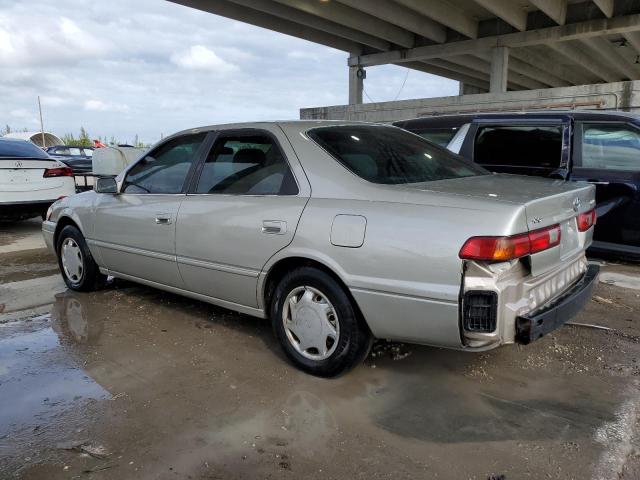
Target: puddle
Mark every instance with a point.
(39, 382)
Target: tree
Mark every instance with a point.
(7, 129)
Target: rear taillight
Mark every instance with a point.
(58, 172)
(500, 249)
(587, 220)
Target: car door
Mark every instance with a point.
(537, 146)
(607, 154)
(243, 207)
(135, 229)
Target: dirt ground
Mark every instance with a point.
(134, 383)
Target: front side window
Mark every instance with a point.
(389, 155)
(246, 165)
(534, 146)
(75, 152)
(165, 169)
(610, 147)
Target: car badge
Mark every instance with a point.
(18, 164)
(536, 220)
(576, 204)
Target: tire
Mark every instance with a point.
(318, 326)
(79, 270)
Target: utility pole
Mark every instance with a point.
(41, 124)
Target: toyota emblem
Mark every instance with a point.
(576, 204)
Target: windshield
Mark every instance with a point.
(390, 155)
(22, 149)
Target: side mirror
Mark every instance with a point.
(106, 185)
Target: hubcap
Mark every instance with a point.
(311, 323)
(72, 262)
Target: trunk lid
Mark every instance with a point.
(24, 174)
(546, 202)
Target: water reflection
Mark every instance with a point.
(78, 317)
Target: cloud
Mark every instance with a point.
(199, 57)
(151, 68)
(100, 106)
(35, 40)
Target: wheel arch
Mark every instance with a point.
(283, 265)
(62, 222)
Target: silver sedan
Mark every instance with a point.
(339, 233)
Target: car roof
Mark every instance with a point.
(456, 119)
(301, 125)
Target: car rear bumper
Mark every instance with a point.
(17, 210)
(536, 324)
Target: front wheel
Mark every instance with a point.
(79, 269)
(316, 323)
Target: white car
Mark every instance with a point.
(30, 180)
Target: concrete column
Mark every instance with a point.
(356, 84)
(499, 70)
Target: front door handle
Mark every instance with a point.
(597, 182)
(163, 219)
(274, 227)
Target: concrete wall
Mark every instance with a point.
(606, 96)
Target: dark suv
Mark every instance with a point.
(602, 148)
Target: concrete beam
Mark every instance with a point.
(356, 86)
(610, 55)
(606, 6)
(516, 80)
(446, 14)
(543, 36)
(553, 63)
(344, 15)
(556, 10)
(578, 55)
(528, 75)
(402, 17)
(499, 70)
(634, 39)
(297, 16)
(508, 10)
(260, 19)
(538, 74)
(442, 71)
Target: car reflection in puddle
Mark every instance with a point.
(42, 385)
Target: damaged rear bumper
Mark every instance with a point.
(534, 325)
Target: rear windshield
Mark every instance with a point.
(390, 155)
(22, 149)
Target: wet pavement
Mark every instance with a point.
(132, 382)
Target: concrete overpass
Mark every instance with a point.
(488, 45)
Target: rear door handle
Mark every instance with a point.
(597, 182)
(163, 219)
(274, 227)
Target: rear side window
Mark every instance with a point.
(246, 165)
(519, 146)
(165, 169)
(439, 136)
(390, 155)
(21, 149)
(610, 147)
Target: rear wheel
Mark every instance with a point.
(79, 269)
(316, 323)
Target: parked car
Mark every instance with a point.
(338, 232)
(602, 148)
(78, 158)
(30, 180)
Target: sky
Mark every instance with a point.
(162, 67)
